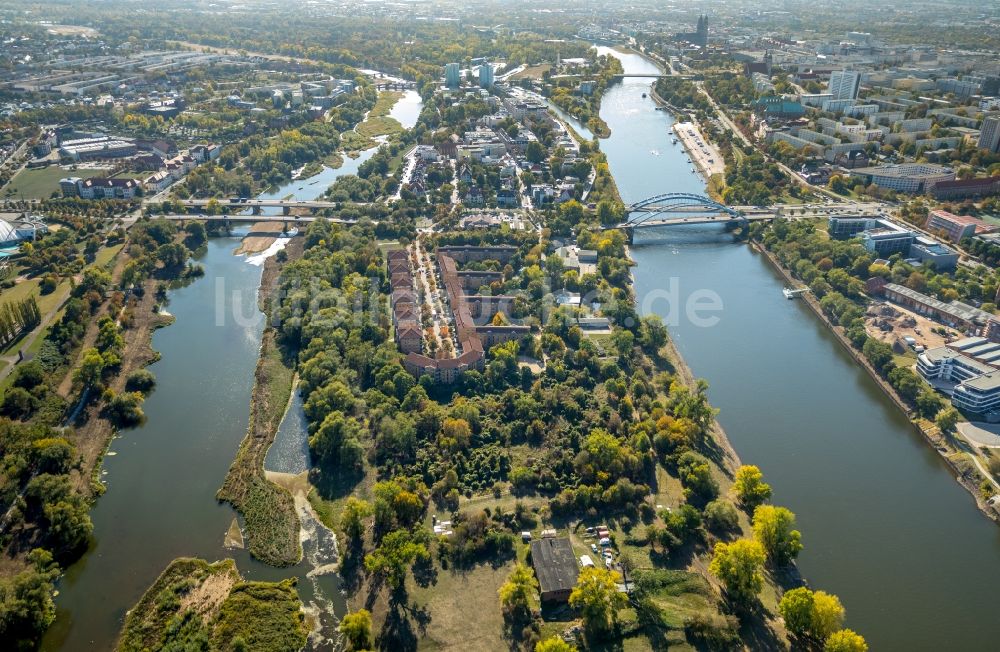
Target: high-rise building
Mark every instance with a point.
(486, 75)
(989, 134)
(452, 75)
(845, 84)
(991, 84)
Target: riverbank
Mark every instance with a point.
(730, 457)
(93, 430)
(948, 447)
(681, 369)
(270, 521)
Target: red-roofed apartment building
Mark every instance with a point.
(956, 227)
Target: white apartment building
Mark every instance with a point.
(845, 84)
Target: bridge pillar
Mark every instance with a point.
(256, 210)
(286, 210)
(629, 234)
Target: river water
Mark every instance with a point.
(162, 477)
(885, 525)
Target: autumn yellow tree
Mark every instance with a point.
(554, 644)
(517, 594)
(845, 640)
(357, 628)
(739, 566)
(596, 595)
(827, 615)
(774, 528)
(749, 486)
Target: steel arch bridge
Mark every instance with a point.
(654, 209)
(677, 208)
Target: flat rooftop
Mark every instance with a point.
(985, 383)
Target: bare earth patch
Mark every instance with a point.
(206, 598)
(261, 236)
(234, 535)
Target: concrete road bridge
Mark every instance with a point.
(650, 75)
(256, 205)
(250, 219)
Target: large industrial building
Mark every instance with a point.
(89, 149)
(556, 568)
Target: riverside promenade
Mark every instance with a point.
(704, 155)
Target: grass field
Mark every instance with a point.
(453, 598)
(379, 126)
(41, 183)
(383, 105)
(352, 141)
(532, 72)
(29, 287)
(378, 122)
(46, 302)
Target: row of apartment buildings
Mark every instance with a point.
(403, 303)
(167, 172)
(473, 312)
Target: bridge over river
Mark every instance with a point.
(651, 76)
(256, 205)
(676, 208)
(249, 219)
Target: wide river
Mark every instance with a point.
(885, 525)
(162, 477)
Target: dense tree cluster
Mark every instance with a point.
(682, 93)
(17, 317)
(586, 107)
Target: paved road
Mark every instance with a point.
(725, 119)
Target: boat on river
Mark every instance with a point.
(792, 293)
